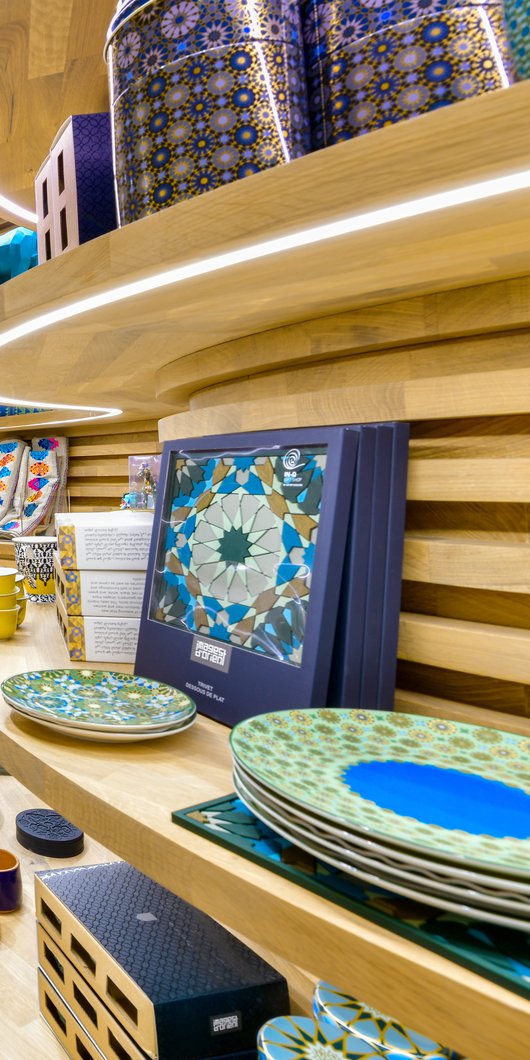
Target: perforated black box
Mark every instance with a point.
(179, 983)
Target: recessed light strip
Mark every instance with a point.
(94, 412)
(17, 211)
(304, 237)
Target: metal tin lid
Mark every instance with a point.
(124, 10)
(46, 832)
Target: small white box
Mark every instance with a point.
(104, 540)
(98, 639)
(100, 592)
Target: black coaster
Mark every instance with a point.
(46, 832)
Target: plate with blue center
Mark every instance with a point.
(101, 700)
(457, 791)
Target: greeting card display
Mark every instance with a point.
(245, 568)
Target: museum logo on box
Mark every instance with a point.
(223, 1024)
(292, 462)
(211, 653)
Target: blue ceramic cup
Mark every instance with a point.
(10, 882)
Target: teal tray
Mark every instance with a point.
(497, 953)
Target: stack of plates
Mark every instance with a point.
(436, 811)
(100, 705)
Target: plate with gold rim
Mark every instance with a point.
(459, 791)
(96, 735)
(104, 699)
(301, 1038)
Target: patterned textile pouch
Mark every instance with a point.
(11, 453)
(37, 488)
(58, 445)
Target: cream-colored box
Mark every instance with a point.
(98, 638)
(100, 592)
(104, 540)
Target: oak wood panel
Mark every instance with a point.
(508, 697)
(125, 796)
(470, 563)
(52, 66)
(471, 605)
(117, 350)
(467, 647)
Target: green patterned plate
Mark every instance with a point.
(98, 699)
(459, 791)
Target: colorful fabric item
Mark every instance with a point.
(34, 494)
(11, 453)
(57, 444)
(407, 70)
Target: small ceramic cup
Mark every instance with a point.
(8, 622)
(10, 882)
(8, 600)
(7, 579)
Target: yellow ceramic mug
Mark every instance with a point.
(8, 622)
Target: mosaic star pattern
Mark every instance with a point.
(239, 550)
(407, 70)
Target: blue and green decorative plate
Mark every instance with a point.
(98, 699)
(459, 791)
(353, 1017)
(300, 1038)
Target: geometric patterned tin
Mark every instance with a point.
(203, 94)
(517, 14)
(333, 25)
(205, 120)
(143, 39)
(96, 698)
(459, 791)
(407, 69)
(301, 1038)
(354, 1017)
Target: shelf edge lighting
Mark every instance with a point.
(17, 211)
(252, 252)
(95, 412)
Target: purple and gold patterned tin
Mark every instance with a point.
(203, 93)
(406, 70)
(207, 120)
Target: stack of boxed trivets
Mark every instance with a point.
(100, 566)
(127, 970)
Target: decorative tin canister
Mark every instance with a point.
(518, 28)
(406, 70)
(202, 94)
(330, 25)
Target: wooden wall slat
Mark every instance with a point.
(469, 647)
(473, 564)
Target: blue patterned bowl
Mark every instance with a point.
(330, 25)
(205, 121)
(144, 37)
(353, 1017)
(300, 1038)
(407, 70)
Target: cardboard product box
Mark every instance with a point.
(95, 638)
(104, 540)
(179, 983)
(99, 592)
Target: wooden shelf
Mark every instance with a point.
(123, 797)
(114, 355)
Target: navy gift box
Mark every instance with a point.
(179, 983)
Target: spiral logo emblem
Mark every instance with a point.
(291, 460)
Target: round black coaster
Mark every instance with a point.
(46, 832)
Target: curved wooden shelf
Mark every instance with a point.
(123, 797)
(118, 354)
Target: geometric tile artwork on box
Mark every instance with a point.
(206, 120)
(143, 42)
(406, 70)
(331, 26)
(238, 554)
